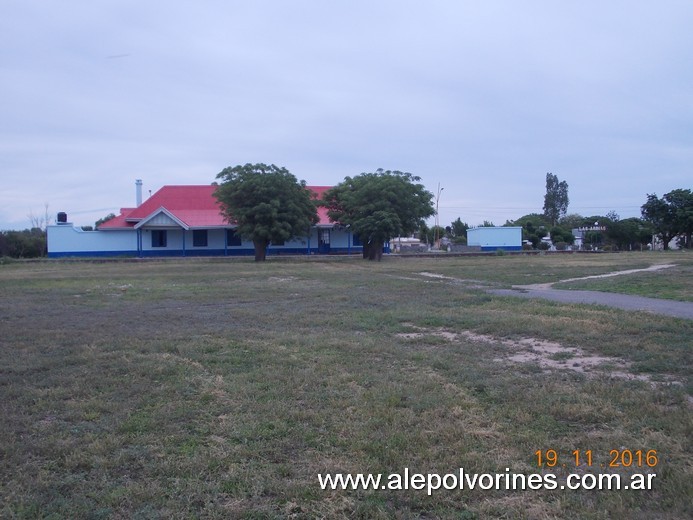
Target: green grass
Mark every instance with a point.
(221, 388)
(675, 283)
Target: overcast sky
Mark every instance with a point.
(482, 97)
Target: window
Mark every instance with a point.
(232, 238)
(158, 238)
(325, 236)
(355, 240)
(199, 238)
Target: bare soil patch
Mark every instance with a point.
(547, 354)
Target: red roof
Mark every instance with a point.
(195, 206)
(323, 219)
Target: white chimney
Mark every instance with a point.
(138, 192)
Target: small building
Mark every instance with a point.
(494, 238)
(582, 235)
(187, 221)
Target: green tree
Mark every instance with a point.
(458, 231)
(681, 203)
(378, 206)
(662, 217)
(629, 233)
(561, 234)
(428, 235)
(537, 220)
(267, 203)
(556, 198)
(535, 226)
(30, 243)
(571, 221)
(422, 233)
(613, 216)
(103, 220)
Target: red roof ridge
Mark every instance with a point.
(193, 204)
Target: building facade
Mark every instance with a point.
(187, 221)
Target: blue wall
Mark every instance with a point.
(494, 238)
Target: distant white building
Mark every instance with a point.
(494, 238)
(580, 233)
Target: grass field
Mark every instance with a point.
(220, 388)
(675, 284)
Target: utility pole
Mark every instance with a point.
(435, 240)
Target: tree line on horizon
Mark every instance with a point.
(269, 204)
(667, 218)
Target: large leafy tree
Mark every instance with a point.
(628, 234)
(670, 216)
(267, 203)
(378, 206)
(681, 203)
(556, 198)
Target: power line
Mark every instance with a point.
(522, 208)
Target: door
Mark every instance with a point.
(323, 241)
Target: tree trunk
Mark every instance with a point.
(375, 250)
(260, 250)
(665, 241)
(366, 249)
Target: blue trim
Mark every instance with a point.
(98, 254)
(504, 248)
(167, 253)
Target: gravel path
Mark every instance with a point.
(673, 308)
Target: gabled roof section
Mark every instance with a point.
(162, 218)
(182, 199)
(191, 207)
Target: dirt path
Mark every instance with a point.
(549, 285)
(673, 308)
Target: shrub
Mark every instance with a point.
(30, 243)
